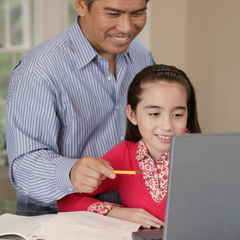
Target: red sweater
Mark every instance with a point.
(132, 188)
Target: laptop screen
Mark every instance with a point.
(203, 198)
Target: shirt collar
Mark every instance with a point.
(142, 151)
(83, 50)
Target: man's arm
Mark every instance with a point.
(45, 176)
(33, 126)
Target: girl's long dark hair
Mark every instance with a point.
(154, 74)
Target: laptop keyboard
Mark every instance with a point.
(154, 234)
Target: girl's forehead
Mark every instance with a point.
(164, 93)
(163, 85)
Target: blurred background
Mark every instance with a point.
(201, 37)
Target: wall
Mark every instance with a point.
(202, 37)
(169, 32)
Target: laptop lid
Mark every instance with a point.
(203, 199)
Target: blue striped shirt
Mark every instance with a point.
(63, 104)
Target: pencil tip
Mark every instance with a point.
(138, 172)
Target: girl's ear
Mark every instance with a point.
(131, 115)
(81, 7)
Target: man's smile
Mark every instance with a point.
(120, 39)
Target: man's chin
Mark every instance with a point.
(119, 49)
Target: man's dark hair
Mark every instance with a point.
(90, 3)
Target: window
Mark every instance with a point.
(72, 13)
(15, 40)
(23, 25)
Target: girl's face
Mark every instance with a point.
(161, 113)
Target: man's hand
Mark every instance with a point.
(87, 173)
(136, 215)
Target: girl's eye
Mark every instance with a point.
(153, 114)
(178, 115)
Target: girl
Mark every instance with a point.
(161, 103)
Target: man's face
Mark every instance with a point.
(111, 25)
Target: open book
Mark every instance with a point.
(62, 226)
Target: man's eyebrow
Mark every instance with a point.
(121, 11)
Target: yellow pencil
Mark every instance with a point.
(125, 172)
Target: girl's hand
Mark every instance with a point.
(136, 215)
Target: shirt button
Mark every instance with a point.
(109, 77)
(70, 189)
(122, 138)
(117, 107)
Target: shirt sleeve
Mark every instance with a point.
(36, 168)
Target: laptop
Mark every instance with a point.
(203, 199)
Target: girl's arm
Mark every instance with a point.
(81, 202)
(85, 201)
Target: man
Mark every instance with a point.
(67, 100)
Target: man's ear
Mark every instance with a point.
(81, 7)
(131, 115)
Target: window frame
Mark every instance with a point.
(14, 50)
(27, 31)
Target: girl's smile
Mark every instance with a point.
(164, 138)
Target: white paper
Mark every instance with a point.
(74, 232)
(69, 225)
(21, 225)
(93, 220)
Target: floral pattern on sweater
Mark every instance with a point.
(155, 176)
